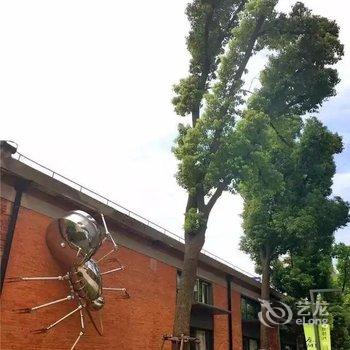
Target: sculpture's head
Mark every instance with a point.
(74, 238)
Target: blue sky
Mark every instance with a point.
(335, 114)
(85, 89)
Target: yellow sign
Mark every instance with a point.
(325, 336)
(310, 336)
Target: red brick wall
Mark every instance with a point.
(236, 321)
(129, 324)
(6, 208)
(220, 321)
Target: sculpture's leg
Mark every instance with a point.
(123, 290)
(105, 256)
(30, 309)
(82, 329)
(114, 249)
(26, 279)
(108, 234)
(43, 330)
(113, 270)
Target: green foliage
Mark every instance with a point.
(188, 95)
(299, 77)
(286, 185)
(286, 180)
(341, 252)
(264, 148)
(340, 323)
(317, 148)
(213, 151)
(286, 190)
(309, 266)
(193, 221)
(205, 150)
(340, 304)
(211, 24)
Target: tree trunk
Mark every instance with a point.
(194, 243)
(265, 295)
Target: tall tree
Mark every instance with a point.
(205, 170)
(213, 153)
(285, 211)
(288, 180)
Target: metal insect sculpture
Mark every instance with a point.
(73, 240)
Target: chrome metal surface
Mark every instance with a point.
(87, 283)
(74, 238)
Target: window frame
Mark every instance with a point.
(198, 290)
(209, 338)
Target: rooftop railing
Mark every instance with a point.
(75, 185)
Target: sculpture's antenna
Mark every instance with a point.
(108, 234)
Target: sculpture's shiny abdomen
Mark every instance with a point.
(87, 283)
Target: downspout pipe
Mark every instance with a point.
(229, 306)
(20, 186)
(7, 149)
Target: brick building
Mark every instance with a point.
(224, 313)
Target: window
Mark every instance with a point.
(250, 344)
(205, 337)
(250, 309)
(202, 292)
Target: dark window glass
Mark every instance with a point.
(250, 344)
(250, 309)
(288, 347)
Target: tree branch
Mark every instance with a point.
(206, 65)
(218, 192)
(207, 61)
(248, 51)
(279, 135)
(190, 202)
(238, 75)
